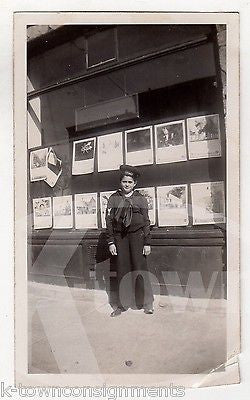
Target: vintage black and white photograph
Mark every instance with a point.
(62, 212)
(208, 202)
(131, 283)
(86, 210)
(38, 164)
(42, 213)
(170, 141)
(110, 145)
(139, 146)
(54, 168)
(172, 205)
(204, 136)
(83, 156)
(104, 196)
(149, 193)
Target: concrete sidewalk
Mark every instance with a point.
(71, 331)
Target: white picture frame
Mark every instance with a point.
(204, 137)
(172, 205)
(86, 211)
(62, 212)
(170, 144)
(83, 156)
(143, 149)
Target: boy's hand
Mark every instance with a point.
(146, 250)
(112, 249)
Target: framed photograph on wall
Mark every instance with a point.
(45, 165)
(149, 193)
(54, 168)
(109, 145)
(139, 146)
(170, 140)
(86, 211)
(38, 165)
(172, 205)
(104, 197)
(62, 212)
(42, 213)
(208, 202)
(83, 156)
(204, 136)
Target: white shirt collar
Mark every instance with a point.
(129, 194)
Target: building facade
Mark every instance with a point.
(147, 95)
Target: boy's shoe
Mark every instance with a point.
(149, 310)
(117, 312)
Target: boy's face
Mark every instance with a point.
(127, 184)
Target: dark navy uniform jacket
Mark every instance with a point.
(139, 217)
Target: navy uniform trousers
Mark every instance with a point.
(133, 284)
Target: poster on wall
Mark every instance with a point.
(45, 165)
(38, 164)
(149, 193)
(170, 142)
(86, 210)
(104, 197)
(54, 168)
(62, 212)
(42, 213)
(208, 203)
(110, 155)
(83, 156)
(172, 205)
(139, 146)
(204, 136)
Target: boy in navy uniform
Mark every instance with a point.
(128, 233)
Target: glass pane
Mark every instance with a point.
(107, 112)
(103, 88)
(101, 47)
(51, 62)
(59, 106)
(58, 64)
(135, 40)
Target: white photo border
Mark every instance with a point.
(151, 150)
(184, 145)
(231, 19)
